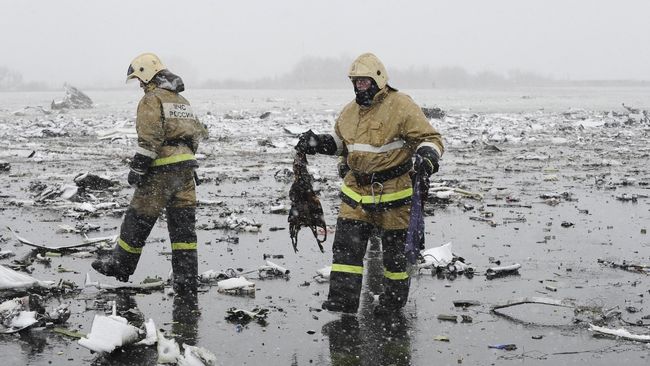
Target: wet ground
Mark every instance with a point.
(564, 177)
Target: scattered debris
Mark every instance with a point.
(494, 272)
(151, 336)
(86, 242)
(323, 274)
(244, 316)
(69, 333)
(531, 300)
(506, 347)
(466, 303)
(441, 259)
(272, 270)
(196, 356)
(168, 349)
(15, 315)
(4, 166)
(12, 280)
(447, 317)
(90, 181)
(620, 333)
(212, 275)
(146, 285)
(638, 268)
(237, 285)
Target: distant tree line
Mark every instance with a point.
(331, 73)
(325, 73)
(11, 80)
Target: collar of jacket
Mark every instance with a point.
(149, 87)
(379, 97)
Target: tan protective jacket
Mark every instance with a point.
(380, 137)
(168, 130)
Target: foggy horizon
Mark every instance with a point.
(91, 44)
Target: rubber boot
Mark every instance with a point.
(121, 264)
(396, 285)
(185, 268)
(182, 234)
(348, 250)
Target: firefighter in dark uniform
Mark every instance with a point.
(162, 172)
(377, 135)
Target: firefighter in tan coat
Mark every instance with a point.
(377, 135)
(162, 171)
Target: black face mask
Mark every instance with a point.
(364, 98)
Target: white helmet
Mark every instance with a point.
(368, 65)
(144, 67)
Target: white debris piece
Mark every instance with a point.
(85, 207)
(233, 222)
(10, 279)
(15, 315)
(168, 350)
(117, 133)
(23, 320)
(151, 334)
(235, 284)
(323, 274)
(196, 356)
(621, 332)
(270, 266)
(295, 130)
(212, 275)
(68, 191)
(108, 333)
(437, 257)
(445, 194)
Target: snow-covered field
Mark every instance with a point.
(563, 173)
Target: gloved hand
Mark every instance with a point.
(139, 167)
(429, 162)
(308, 142)
(343, 167)
(135, 179)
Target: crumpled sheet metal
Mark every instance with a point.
(11, 280)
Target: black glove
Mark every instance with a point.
(308, 143)
(139, 167)
(343, 167)
(135, 179)
(429, 162)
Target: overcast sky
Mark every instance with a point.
(81, 41)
